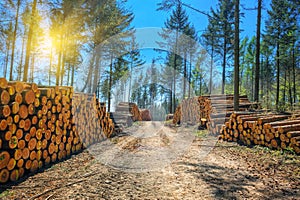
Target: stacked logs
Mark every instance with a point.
(43, 125)
(177, 115)
(273, 131)
(191, 110)
(202, 110)
(132, 108)
(145, 115)
(91, 121)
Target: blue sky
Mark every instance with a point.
(147, 16)
(148, 20)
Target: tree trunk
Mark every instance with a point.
(211, 67)
(262, 81)
(257, 62)
(190, 75)
(284, 88)
(290, 88)
(14, 42)
(28, 47)
(252, 83)
(96, 73)
(294, 75)
(174, 72)
(110, 83)
(224, 64)
(63, 63)
(89, 76)
(32, 69)
(68, 76)
(184, 75)
(278, 76)
(6, 59)
(21, 62)
(73, 74)
(130, 78)
(50, 64)
(236, 54)
(58, 70)
(268, 83)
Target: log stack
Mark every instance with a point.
(91, 121)
(145, 115)
(210, 111)
(177, 115)
(43, 125)
(132, 108)
(269, 130)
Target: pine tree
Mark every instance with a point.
(174, 27)
(29, 40)
(134, 60)
(257, 55)
(281, 28)
(236, 54)
(221, 27)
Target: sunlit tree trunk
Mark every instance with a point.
(7, 58)
(58, 70)
(257, 55)
(22, 55)
(277, 76)
(236, 54)
(28, 46)
(110, 84)
(50, 66)
(14, 42)
(224, 66)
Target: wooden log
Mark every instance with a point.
(4, 97)
(288, 128)
(28, 96)
(280, 123)
(4, 173)
(4, 159)
(291, 134)
(3, 83)
(5, 111)
(11, 164)
(23, 111)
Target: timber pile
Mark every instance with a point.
(209, 111)
(125, 114)
(177, 115)
(43, 125)
(132, 108)
(169, 117)
(273, 131)
(91, 121)
(145, 115)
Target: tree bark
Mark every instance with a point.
(211, 66)
(294, 76)
(110, 84)
(257, 61)
(236, 54)
(184, 75)
(224, 63)
(28, 46)
(278, 75)
(6, 59)
(58, 70)
(14, 42)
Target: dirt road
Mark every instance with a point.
(228, 171)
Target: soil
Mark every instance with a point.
(226, 171)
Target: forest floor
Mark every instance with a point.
(203, 169)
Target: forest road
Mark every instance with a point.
(160, 162)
